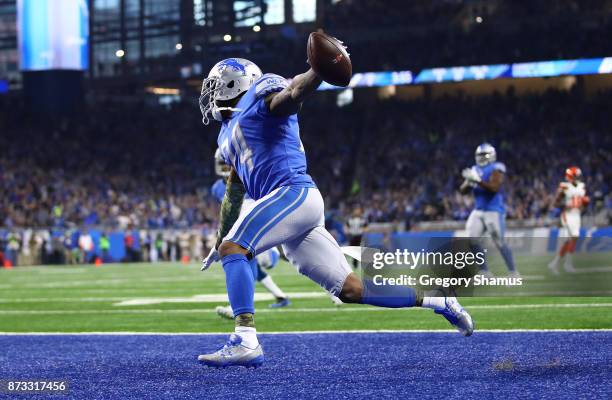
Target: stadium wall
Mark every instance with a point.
(191, 243)
(533, 241)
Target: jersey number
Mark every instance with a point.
(576, 202)
(239, 149)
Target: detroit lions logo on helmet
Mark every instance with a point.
(232, 63)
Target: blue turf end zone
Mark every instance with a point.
(559, 365)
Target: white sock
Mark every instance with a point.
(435, 303)
(334, 299)
(555, 260)
(269, 284)
(248, 336)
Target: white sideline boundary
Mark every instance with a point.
(121, 301)
(329, 309)
(323, 332)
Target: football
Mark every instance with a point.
(329, 59)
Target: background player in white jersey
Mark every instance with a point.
(571, 198)
(260, 138)
(263, 261)
(485, 179)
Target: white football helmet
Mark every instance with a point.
(485, 154)
(221, 168)
(227, 80)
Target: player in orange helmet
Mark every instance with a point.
(571, 197)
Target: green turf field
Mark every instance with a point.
(160, 298)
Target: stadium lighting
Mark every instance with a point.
(178, 46)
(227, 37)
(256, 28)
(120, 53)
(478, 19)
(162, 90)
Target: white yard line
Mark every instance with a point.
(96, 282)
(590, 270)
(63, 299)
(381, 331)
(295, 310)
(214, 298)
(534, 277)
(556, 293)
(222, 297)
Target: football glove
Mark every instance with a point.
(471, 175)
(212, 257)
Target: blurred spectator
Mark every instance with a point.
(12, 249)
(86, 245)
(105, 247)
(149, 167)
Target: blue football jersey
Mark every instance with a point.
(485, 199)
(218, 189)
(264, 149)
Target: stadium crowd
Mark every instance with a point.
(418, 156)
(130, 165)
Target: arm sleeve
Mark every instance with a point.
(269, 83)
(231, 205)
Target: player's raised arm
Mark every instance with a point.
(329, 62)
(289, 100)
(558, 200)
(466, 186)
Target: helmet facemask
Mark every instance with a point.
(483, 159)
(485, 154)
(211, 89)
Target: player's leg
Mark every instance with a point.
(475, 228)
(240, 284)
(263, 225)
(227, 311)
(355, 241)
(573, 229)
(335, 300)
(495, 223)
(282, 300)
(566, 238)
(553, 266)
(317, 255)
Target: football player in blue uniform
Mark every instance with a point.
(267, 259)
(485, 179)
(260, 139)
